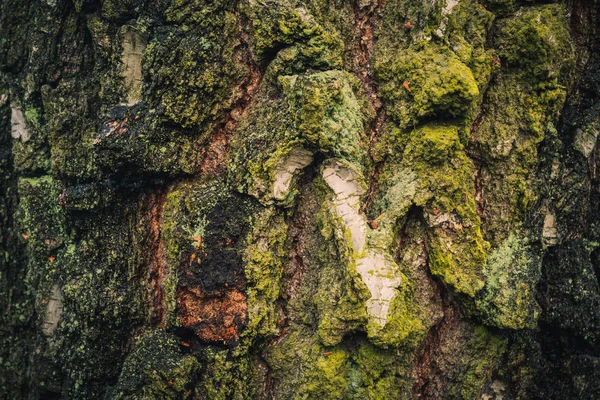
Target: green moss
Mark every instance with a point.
(41, 226)
(326, 112)
(68, 132)
(319, 112)
(190, 74)
(439, 84)
(32, 116)
(225, 376)
(339, 295)
(118, 10)
(156, 369)
(263, 268)
(406, 322)
(132, 137)
(303, 368)
(536, 40)
(206, 221)
(355, 369)
(40, 217)
(30, 154)
(378, 374)
(392, 35)
(446, 190)
(481, 355)
(500, 7)
(522, 105)
(292, 40)
(467, 34)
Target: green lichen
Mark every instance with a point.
(511, 274)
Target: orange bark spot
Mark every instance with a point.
(213, 318)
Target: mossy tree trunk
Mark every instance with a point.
(284, 199)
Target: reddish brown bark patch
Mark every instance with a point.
(157, 262)
(216, 318)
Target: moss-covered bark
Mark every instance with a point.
(299, 199)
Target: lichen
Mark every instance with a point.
(511, 274)
(318, 371)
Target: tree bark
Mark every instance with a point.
(288, 199)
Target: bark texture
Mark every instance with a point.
(285, 199)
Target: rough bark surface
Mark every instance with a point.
(283, 199)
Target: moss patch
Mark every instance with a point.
(156, 369)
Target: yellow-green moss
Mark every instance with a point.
(522, 105)
(190, 75)
(292, 40)
(439, 84)
(537, 41)
(263, 268)
(303, 368)
(482, 354)
(446, 192)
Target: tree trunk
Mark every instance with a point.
(318, 199)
